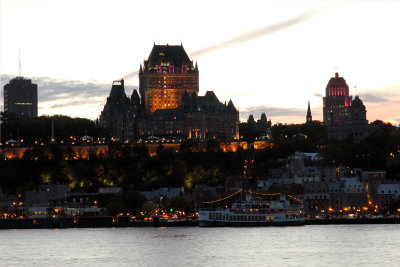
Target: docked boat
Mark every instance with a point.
(254, 211)
(253, 208)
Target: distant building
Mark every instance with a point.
(21, 97)
(261, 124)
(337, 101)
(316, 197)
(165, 192)
(168, 105)
(165, 76)
(117, 115)
(348, 194)
(37, 203)
(344, 117)
(387, 194)
(309, 116)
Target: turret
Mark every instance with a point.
(251, 120)
(135, 99)
(231, 108)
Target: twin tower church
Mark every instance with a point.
(168, 104)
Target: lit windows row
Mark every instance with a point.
(165, 105)
(171, 69)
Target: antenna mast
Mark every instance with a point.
(19, 63)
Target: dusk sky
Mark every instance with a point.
(267, 56)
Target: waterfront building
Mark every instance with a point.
(316, 197)
(37, 202)
(348, 194)
(10, 205)
(387, 194)
(21, 97)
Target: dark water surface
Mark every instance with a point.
(313, 245)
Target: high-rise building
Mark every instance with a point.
(345, 118)
(337, 102)
(165, 76)
(21, 97)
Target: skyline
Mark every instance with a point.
(273, 59)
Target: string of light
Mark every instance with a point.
(218, 200)
(264, 194)
(295, 199)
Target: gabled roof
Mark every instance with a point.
(210, 97)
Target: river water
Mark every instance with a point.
(311, 245)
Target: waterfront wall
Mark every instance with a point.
(84, 151)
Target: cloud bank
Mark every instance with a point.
(73, 98)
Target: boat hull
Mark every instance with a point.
(203, 223)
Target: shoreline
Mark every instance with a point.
(124, 221)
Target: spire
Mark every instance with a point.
(231, 108)
(135, 99)
(140, 70)
(195, 67)
(308, 117)
(185, 97)
(20, 63)
(251, 120)
(263, 117)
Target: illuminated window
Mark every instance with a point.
(171, 69)
(184, 69)
(159, 69)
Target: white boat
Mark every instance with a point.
(254, 211)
